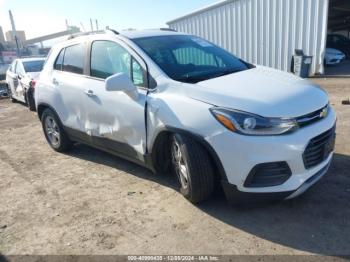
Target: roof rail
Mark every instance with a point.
(112, 30)
(72, 36)
(167, 29)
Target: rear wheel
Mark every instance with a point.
(54, 132)
(193, 167)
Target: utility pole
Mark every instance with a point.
(82, 27)
(92, 27)
(96, 25)
(14, 33)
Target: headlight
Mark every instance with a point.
(250, 124)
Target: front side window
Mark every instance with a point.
(190, 59)
(73, 60)
(33, 66)
(109, 58)
(59, 61)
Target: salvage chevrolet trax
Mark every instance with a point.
(176, 102)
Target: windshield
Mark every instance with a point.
(189, 58)
(33, 66)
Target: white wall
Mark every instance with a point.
(263, 32)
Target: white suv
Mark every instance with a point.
(176, 102)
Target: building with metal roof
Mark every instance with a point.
(267, 32)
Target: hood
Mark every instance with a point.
(263, 91)
(33, 75)
(332, 51)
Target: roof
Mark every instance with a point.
(131, 34)
(201, 10)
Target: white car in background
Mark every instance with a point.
(333, 56)
(21, 78)
(176, 102)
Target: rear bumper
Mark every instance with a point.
(237, 197)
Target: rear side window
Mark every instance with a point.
(59, 61)
(33, 66)
(73, 60)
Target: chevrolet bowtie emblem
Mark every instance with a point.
(324, 112)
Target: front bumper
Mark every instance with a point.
(236, 197)
(239, 154)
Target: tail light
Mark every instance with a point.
(33, 83)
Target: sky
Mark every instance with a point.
(41, 17)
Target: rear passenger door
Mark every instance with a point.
(69, 83)
(115, 120)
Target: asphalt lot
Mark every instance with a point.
(89, 202)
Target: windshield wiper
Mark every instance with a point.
(227, 72)
(199, 78)
(191, 79)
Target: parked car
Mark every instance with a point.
(333, 56)
(21, 79)
(3, 91)
(176, 102)
(339, 42)
(3, 69)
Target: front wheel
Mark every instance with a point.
(193, 167)
(54, 133)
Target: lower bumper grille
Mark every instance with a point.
(319, 148)
(268, 174)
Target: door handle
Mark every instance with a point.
(89, 93)
(55, 82)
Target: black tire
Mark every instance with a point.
(30, 100)
(63, 142)
(200, 182)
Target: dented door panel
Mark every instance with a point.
(114, 120)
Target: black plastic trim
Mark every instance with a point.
(236, 197)
(269, 174)
(319, 148)
(203, 142)
(113, 147)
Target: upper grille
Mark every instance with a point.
(319, 148)
(312, 117)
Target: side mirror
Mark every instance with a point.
(121, 82)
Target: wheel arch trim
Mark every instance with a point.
(44, 106)
(197, 137)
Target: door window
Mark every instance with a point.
(59, 61)
(73, 60)
(20, 69)
(13, 66)
(109, 58)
